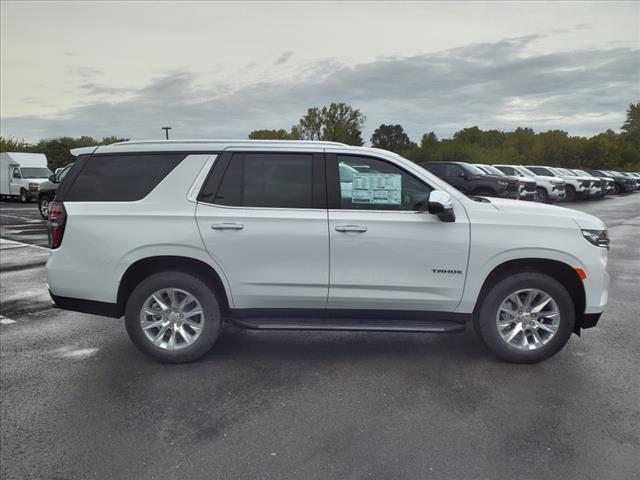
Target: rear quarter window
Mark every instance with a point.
(120, 178)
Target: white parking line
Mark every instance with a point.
(21, 218)
(13, 243)
(6, 321)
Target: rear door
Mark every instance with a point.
(384, 253)
(263, 219)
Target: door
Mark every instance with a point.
(16, 181)
(263, 219)
(385, 254)
(454, 175)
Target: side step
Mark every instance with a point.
(374, 325)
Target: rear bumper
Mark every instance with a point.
(92, 307)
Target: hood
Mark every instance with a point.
(501, 178)
(526, 180)
(547, 178)
(39, 181)
(583, 220)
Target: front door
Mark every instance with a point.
(16, 181)
(263, 219)
(386, 255)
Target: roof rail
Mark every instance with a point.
(199, 141)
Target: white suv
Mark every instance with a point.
(548, 189)
(183, 238)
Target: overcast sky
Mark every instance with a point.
(220, 70)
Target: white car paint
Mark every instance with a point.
(554, 187)
(295, 257)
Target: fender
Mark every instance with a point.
(475, 281)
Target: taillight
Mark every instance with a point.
(57, 222)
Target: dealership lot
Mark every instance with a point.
(78, 401)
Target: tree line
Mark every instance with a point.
(340, 122)
(607, 150)
(56, 149)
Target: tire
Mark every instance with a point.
(210, 320)
(43, 206)
(24, 196)
(617, 189)
(486, 322)
(542, 195)
(570, 193)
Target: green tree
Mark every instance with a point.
(280, 134)
(429, 141)
(632, 123)
(338, 122)
(392, 138)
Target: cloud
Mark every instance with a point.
(283, 58)
(498, 85)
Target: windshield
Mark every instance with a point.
(35, 172)
(472, 169)
(525, 171)
(567, 172)
(582, 172)
(492, 170)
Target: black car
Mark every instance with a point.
(470, 180)
(622, 183)
(48, 191)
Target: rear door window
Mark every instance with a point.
(121, 178)
(272, 180)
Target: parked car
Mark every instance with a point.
(21, 174)
(48, 190)
(577, 188)
(548, 189)
(527, 184)
(621, 182)
(196, 235)
(595, 188)
(470, 180)
(607, 183)
(635, 179)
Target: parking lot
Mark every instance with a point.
(79, 401)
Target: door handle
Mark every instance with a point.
(351, 228)
(227, 226)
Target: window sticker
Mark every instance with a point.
(377, 188)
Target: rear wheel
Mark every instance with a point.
(526, 318)
(43, 205)
(173, 317)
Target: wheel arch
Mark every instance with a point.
(145, 267)
(556, 269)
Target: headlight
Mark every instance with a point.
(600, 238)
(503, 183)
(34, 187)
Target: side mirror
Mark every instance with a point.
(440, 203)
(52, 178)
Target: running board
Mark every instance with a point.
(374, 325)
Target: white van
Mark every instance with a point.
(22, 173)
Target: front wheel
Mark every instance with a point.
(570, 193)
(541, 195)
(526, 318)
(24, 196)
(43, 205)
(173, 317)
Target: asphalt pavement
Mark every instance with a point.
(77, 400)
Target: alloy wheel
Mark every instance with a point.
(172, 319)
(528, 319)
